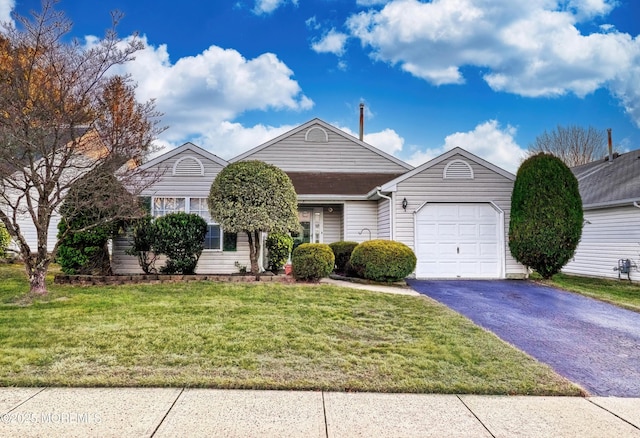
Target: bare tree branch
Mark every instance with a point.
(63, 115)
(574, 145)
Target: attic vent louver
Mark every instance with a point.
(316, 135)
(188, 166)
(458, 169)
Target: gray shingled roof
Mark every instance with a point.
(604, 182)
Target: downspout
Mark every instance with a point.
(392, 230)
(635, 204)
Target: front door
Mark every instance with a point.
(311, 227)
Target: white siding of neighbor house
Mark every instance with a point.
(359, 215)
(610, 234)
(211, 262)
(28, 230)
(384, 221)
(196, 185)
(339, 154)
(429, 186)
(332, 224)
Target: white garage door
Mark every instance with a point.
(458, 241)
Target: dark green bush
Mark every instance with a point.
(342, 252)
(546, 215)
(84, 252)
(180, 236)
(312, 261)
(279, 247)
(383, 260)
(143, 239)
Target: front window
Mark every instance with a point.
(214, 237)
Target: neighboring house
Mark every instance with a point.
(88, 144)
(455, 216)
(610, 191)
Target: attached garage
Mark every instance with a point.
(459, 240)
(453, 211)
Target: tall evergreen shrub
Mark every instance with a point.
(546, 215)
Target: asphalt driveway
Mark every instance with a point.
(594, 344)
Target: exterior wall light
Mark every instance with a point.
(405, 204)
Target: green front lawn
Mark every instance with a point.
(266, 336)
(622, 293)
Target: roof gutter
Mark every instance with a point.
(616, 203)
(392, 231)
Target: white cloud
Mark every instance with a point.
(527, 47)
(366, 3)
(6, 6)
(331, 42)
(268, 6)
(386, 140)
(201, 95)
(487, 140)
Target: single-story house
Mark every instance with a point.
(453, 210)
(610, 191)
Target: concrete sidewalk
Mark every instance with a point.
(176, 412)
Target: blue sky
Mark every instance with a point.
(485, 75)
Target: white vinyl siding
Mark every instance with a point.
(29, 232)
(332, 223)
(608, 235)
(211, 262)
(339, 154)
(170, 185)
(384, 221)
(429, 186)
(360, 220)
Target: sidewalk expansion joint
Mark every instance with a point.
(167, 413)
(324, 413)
(612, 413)
(26, 400)
(476, 417)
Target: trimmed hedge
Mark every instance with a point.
(342, 253)
(312, 261)
(383, 260)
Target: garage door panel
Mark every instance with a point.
(447, 231)
(458, 241)
(467, 230)
(488, 231)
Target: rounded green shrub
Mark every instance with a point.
(546, 214)
(342, 252)
(383, 260)
(312, 261)
(279, 247)
(180, 236)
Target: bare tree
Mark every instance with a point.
(574, 145)
(62, 115)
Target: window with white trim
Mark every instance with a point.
(162, 206)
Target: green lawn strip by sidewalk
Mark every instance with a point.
(622, 293)
(261, 336)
